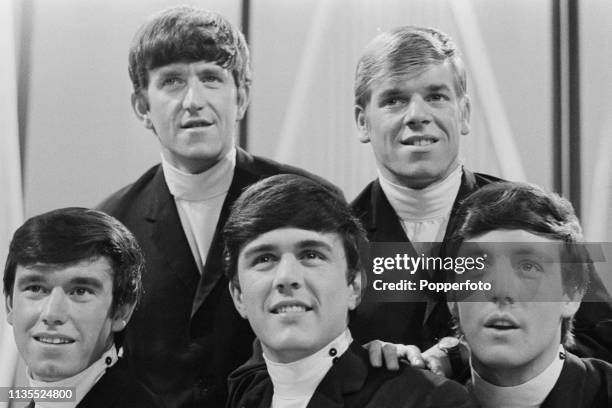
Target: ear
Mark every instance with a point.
(465, 109)
(571, 303)
(362, 124)
(140, 105)
(9, 309)
(355, 291)
(244, 98)
(122, 317)
(454, 309)
(237, 298)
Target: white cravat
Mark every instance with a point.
(530, 394)
(82, 382)
(199, 199)
(424, 213)
(295, 383)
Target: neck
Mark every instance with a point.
(509, 376)
(419, 182)
(193, 166)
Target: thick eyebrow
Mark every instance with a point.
(85, 281)
(307, 243)
(257, 249)
(438, 88)
(533, 252)
(29, 278)
(314, 243)
(390, 92)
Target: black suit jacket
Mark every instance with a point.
(353, 383)
(408, 323)
(185, 337)
(583, 383)
(117, 389)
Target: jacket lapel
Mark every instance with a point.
(347, 376)
(213, 269)
(167, 233)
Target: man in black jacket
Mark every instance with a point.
(295, 269)
(519, 330)
(72, 280)
(412, 106)
(191, 75)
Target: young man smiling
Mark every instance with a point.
(519, 331)
(191, 77)
(72, 280)
(412, 107)
(294, 265)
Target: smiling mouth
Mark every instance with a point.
(420, 140)
(53, 340)
(293, 308)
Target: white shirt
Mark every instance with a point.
(424, 213)
(199, 199)
(530, 394)
(82, 382)
(295, 383)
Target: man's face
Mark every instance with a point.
(414, 124)
(61, 317)
(193, 109)
(514, 330)
(294, 291)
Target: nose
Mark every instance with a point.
(194, 96)
(505, 285)
(55, 308)
(417, 114)
(288, 274)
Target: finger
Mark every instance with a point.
(391, 357)
(414, 356)
(374, 350)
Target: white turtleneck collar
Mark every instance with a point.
(432, 201)
(82, 382)
(202, 186)
(295, 383)
(530, 394)
(424, 213)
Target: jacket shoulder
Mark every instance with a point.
(363, 202)
(263, 167)
(247, 382)
(118, 389)
(426, 390)
(120, 201)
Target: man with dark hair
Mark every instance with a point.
(412, 106)
(294, 267)
(71, 281)
(191, 75)
(518, 332)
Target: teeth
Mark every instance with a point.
(53, 340)
(290, 309)
(423, 142)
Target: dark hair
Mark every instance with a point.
(70, 235)
(286, 201)
(406, 50)
(188, 34)
(522, 206)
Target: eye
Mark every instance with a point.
(529, 268)
(437, 97)
(393, 101)
(262, 260)
(81, 292)
(312, 256)
(34, 289)
(172, 82)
